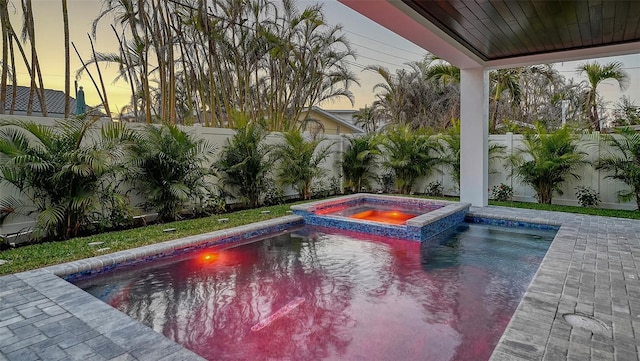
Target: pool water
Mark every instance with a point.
(310, 295)
(381, 214)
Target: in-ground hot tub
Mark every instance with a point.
(415, 219)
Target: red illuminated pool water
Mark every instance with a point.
(389, 217)
(316, 296)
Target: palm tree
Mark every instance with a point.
(367, 119)
(626, 112)
(504, 80)
(411, 154)
(451, 139)
(596, 74)
(444, 73)
(61, 172)
(546, 160)
(359, 161)
(243, 164)
(300, 161)
(393, 99)
(421, 96)
(168, 169)
(622, 159)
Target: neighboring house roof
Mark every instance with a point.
(346, 114)
(337, 119)
(54, 100)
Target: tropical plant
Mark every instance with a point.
(368, 119)
(443, 72)
(596, 74)
(502, 192)
(626, 112)
(387, 182)
(451, 140)
(393, 101)
(546, 160)
(504, 81)
(411, 154)
(434, 189)
(168, 169)
(622, 159)
(587, 196)
(300, 161)
(359, 160)
(243, 165)
(265, 58)
(64, 175)
(426, 95)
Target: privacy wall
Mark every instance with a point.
(499, 173)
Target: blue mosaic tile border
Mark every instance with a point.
(347, 224)
(510, 223)
(433, 229)
(73, 271)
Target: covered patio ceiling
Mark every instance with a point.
(507, 33)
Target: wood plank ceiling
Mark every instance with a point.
(498, 29)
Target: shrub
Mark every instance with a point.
(546, 160)
(434, 189)
(334, 185)
(411, 154)
(300, 161)
(359, 162)
(243, 166)
(387, 181)
(502, 192)
(319, 188)
(622, 160)
(209, 204)
(587, 196)
(65, 177)
(273, 194)
(169, 170)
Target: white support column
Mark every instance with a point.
(474, 133)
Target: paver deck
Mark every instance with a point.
(592, 268)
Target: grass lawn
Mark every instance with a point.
(50, 253)
(45, 254)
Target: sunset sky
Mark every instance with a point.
(374, 44)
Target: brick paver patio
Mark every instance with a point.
(591, 269)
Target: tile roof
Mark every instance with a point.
(54, 101)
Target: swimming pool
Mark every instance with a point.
(312, 295)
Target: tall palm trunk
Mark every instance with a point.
(4, 18)
(29, 33)
(595, 119)
(67, 66)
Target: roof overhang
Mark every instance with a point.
(402, 18)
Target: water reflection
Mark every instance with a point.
(375, 298)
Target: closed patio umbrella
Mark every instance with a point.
(81, 106)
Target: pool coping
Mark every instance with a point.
(592, 268)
